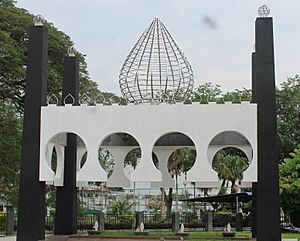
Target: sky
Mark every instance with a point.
(217, 37)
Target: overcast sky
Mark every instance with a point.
(217, 37)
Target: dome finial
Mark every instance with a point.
(156, 67)
(263, 11)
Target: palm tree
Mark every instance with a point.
(121, 206)
(230, 163)
(179, 162)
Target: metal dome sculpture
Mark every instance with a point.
(156, 70)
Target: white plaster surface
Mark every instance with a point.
(163, 153)
(118, 177)
(147, 123)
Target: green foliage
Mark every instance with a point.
(288, 114)
(238, 95)
(132, 158)
(290, 182)
(207, 92)
(106, 160)
(181, 161)
(51, 198)
(10, 148)
(154, 204)
(121, 206)
(14, 25)
(210, 92)
(222, 218)
(230, 163)
(222, 191)
(223, 213)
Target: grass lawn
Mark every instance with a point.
(291, 235)
(197, 235)
(166, 234)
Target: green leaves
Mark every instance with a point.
(230, 163)
(121, 206)
(10, 149)
(14, 25)
(290, 182)
(181, 160)
(288, 114)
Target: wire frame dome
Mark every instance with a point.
(156, 70)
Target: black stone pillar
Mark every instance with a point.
(139, 218)
(209, 221)
(263, 87)
(66, 196)
(175, 222)
(101, 221)
(254, 211)
(31, 210)
(254, 190)
(239, 222)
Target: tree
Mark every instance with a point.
(179, 162)
(14, 25)
(210, 92)
(290, 182)
(154, 205)
(10, 148)
(230, 163)
(288, 114)
(207, 92)
(132, 158)
(13, 40)
(106, 160)
(121, 206)
(238, 95)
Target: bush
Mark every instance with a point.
(290, 182)
(222, 218)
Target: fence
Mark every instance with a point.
(119, 222)
(49, 224)
(157, 221)
(3, 223)
(192, 222)
(112, 222)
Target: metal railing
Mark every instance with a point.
(192, 222)
(119, 222)
(157, 221)
(3, 223)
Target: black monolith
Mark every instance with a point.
(263, 88)
(66, 196)
(31, 210)
(254, 184)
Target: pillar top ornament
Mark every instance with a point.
(263, 11)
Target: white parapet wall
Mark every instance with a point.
(147, 123)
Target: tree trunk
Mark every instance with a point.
(168, 199)
(176, 178)
(234, 187)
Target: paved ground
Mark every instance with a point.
(9, 238)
